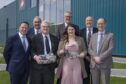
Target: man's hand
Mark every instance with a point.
(38, 59)
(97, 60)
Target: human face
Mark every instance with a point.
(89, 22)
(23, 29)
(45, 28)
(71, 31)
(101, 25)
(68, 18)
(36, 22)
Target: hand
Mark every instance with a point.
(38, 59)
(61, 52)
(97, 60)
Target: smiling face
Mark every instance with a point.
(101, 24)
(89, 22)
(45, 27)
(71, 31)
(23, 29)
(68, 17)
(36, 22)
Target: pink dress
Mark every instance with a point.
(71, 72)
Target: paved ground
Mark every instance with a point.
(114, 72)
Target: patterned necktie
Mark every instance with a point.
(47, 44)
(24, 43)
(100, 42)
(89, 35)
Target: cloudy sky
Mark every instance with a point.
(5, 2)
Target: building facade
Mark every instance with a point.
(53, 11)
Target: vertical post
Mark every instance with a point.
(6, 28)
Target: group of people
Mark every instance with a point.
(81, 56)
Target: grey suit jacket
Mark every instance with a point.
(105, 51)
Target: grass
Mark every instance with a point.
(119, 65)
(2, 61)
(4, 79)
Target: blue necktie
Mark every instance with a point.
(100, 43)
(47, 44)
(24, 43)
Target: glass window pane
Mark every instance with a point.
(33, 3)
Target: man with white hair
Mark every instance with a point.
(44, 43)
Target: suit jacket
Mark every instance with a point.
(105, 50)
(83, 33)
(16, 57)
(38, 48)
(82, 48)
(61, 29)
(31, 33)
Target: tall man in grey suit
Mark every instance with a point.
(86, 33)
(67, 20)
(100, 49)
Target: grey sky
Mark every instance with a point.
(5, 2)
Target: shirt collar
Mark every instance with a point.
(45, 35)
(21, 36)
(101, 32)
(89, 28)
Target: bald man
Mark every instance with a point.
(36, 27)
(100, 49)
(86, 33)
(43, 43)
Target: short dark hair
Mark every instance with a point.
(24, 22)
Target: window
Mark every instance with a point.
(53, 10)
(33, 3)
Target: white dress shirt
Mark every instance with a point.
(99, 37)
(87, 31)
(39, 30)
(48, 36)
(26, 40)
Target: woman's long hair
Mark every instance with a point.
(65, 34)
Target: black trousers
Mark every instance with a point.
(87, 80)
(42, 74)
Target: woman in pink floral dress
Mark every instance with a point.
(72, 51)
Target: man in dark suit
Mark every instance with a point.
(36, 27)
(16, 54)
(67, 20)
(86, 34)
(43, 44)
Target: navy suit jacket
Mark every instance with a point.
(84, 34)
(31, 33)
(16, 57)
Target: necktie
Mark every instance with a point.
(100, 42)
(24, 43)
(47, 44)
(89, 35)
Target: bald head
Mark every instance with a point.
(89, 22)
(36, 22)
(101, 24)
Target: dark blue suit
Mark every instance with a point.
(31, 33)
(17, 59)
(83, 33)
